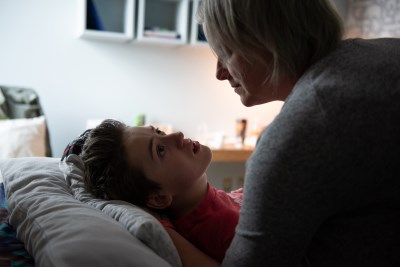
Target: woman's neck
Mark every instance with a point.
(185, 203)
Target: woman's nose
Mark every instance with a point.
(222, 72)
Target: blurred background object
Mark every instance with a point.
(111, 73)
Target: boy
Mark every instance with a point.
(166, 174)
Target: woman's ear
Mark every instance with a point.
(159, 201)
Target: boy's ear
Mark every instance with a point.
(159, 201)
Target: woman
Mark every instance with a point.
(324, 181)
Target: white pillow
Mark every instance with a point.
(23, 137)
(138, 222)
(59, 230)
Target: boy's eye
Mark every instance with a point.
(161, 151)
(158, 131)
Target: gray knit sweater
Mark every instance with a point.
(324, 181)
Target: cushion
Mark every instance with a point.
(59, 230)
(138, 222)
(25, 137)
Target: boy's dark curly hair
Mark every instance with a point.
(107, 173)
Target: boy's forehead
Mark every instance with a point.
(137, 141)
(140, 130)
(138, 134)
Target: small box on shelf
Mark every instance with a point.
(163, 21)
(107, 20)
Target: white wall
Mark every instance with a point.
(79, 79)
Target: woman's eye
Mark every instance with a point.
(158, 131)
(161, 151)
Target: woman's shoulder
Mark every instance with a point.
(378, 43)
(338, 101)
(353, 59)
(359, 71)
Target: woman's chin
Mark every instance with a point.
(250, 100)
(247, 100)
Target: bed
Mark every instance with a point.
(12, 251)
(51, 220)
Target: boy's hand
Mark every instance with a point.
(240, 190)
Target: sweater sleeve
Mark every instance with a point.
(288, 192)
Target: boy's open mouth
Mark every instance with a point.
(196, 147)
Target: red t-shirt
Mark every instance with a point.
(211, 225)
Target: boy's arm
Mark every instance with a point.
(189, 254)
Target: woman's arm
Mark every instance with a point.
(189, 254)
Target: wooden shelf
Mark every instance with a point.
(231, 155)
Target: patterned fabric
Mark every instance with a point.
(75, 147)
(12, 251)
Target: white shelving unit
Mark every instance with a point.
(107, 20)
(197, 36)
(158, 21)
(163, 21)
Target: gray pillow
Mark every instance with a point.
(59, 230)
(138, 222)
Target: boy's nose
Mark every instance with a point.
(221, 73)
(178, 138)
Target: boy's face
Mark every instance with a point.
(170, 160)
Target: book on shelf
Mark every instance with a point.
(93, 21)
(161, 33)
(200, 34)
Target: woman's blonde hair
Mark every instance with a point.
(290, 35)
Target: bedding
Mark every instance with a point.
(138, 222)
(12, 251)
(60, 230)
(23, 137)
